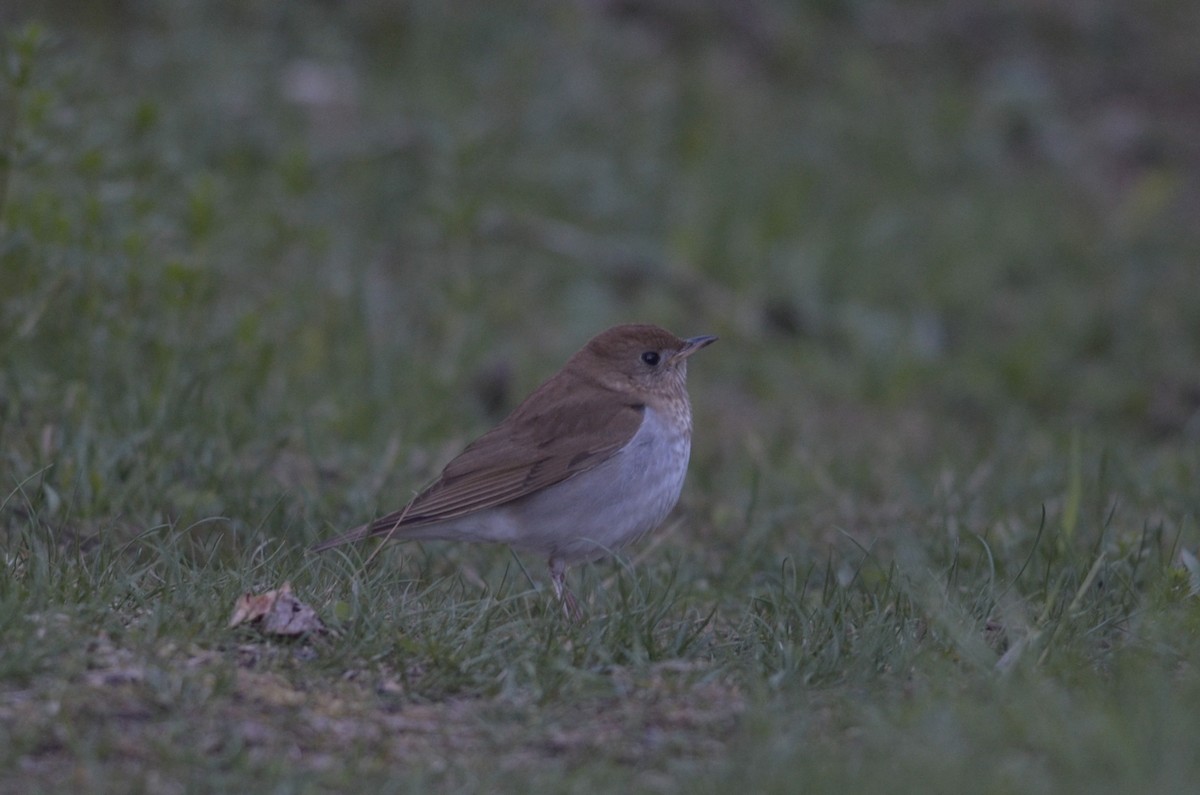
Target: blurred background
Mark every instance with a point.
(324, 237)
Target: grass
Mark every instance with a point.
(263, 273)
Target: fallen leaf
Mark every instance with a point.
(279, 612)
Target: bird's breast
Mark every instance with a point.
(614, 503)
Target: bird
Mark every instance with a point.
(590, 462)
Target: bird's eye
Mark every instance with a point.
(651, 358)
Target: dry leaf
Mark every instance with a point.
(279, 612)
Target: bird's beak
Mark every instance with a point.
(693, 344)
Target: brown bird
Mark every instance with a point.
(591, 461)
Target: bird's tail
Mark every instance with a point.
(357, 534)
(384, 526)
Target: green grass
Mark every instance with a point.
(262, 273)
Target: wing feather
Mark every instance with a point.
(543, 442)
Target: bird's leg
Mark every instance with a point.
(558, 572)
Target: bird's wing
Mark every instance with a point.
(532, 449)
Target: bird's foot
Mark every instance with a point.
(567, 599)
